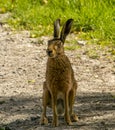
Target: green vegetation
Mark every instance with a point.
(94, 17)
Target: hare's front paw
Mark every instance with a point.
(74, 118)
(68, 121)
(44, 121)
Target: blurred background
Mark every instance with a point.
(92, 18)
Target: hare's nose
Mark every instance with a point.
(49, 51)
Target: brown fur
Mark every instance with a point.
(59, 89)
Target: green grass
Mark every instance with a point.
(94, 17)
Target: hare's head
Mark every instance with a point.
(56, 45)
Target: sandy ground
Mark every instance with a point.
(22, 72)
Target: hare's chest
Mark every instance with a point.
(59, 79)
(58, 74)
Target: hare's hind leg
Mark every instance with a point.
(46, 100)
(67, 115)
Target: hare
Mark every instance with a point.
(59, 89)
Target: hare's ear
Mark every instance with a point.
(57, 28)
(66, 29)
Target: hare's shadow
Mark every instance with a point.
(86, 105)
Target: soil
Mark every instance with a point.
(22, 72)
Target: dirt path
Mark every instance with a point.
(22, 72)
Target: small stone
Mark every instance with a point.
(81, 42)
